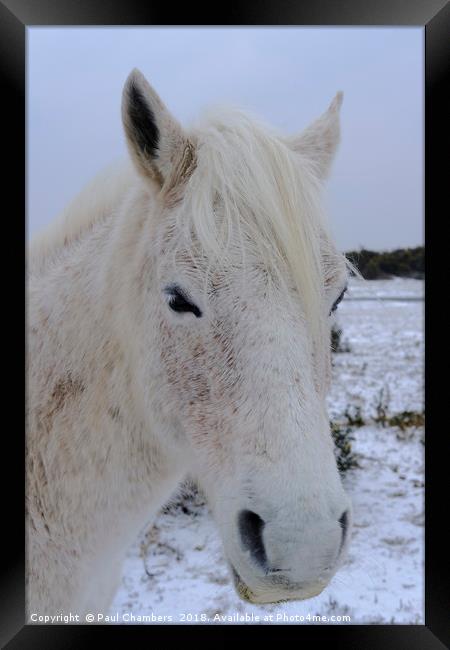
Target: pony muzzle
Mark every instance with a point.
(271, 563)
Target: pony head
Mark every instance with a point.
(237, 281)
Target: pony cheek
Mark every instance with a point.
(207, 436)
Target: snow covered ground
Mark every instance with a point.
(176, 569)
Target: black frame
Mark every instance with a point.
(434, 15)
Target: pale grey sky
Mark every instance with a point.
(286, 75)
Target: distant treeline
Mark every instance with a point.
(403, 262)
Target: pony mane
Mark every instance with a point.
(248, 183)
(98, 199)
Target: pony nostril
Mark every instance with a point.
(343, 520)
(250, 529)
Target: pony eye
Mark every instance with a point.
(179, 302)
(336, 302)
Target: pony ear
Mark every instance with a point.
(319, 141)
(156, 141)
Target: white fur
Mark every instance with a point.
(125, 397)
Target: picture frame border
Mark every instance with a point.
(16, 16)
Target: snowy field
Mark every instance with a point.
(176, 569)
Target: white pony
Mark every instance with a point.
(179, 322)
